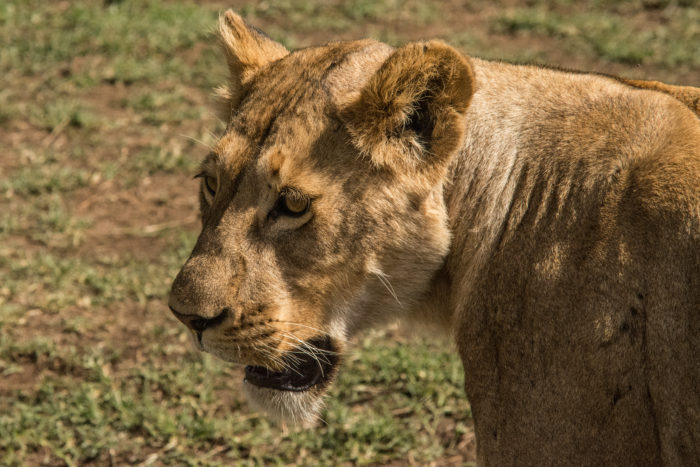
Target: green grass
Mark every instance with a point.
(51, 281)
(343, 15)
(159, 107)
(125, 34)
(155, 159)
(174, 409)
(60, 113)
(57, 227)
(104, 115)
(672, 41)
(35, 180)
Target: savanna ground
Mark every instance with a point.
(104, 114)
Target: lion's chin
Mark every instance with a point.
(296, 408)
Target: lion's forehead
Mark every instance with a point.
(286, 130)
(310, 82)
(298, 152)
(269, 106)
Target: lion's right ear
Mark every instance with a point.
(247, 50)
(410, 115)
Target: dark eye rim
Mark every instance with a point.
(212, 191)
(206, 177)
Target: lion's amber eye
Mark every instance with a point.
(295, 204)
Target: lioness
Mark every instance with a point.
(549, 221)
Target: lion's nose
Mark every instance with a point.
(199, 323)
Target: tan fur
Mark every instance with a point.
(247, 52)
(549, 221)
(688, 95)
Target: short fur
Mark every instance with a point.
(549, 221)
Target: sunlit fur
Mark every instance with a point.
(548, 221)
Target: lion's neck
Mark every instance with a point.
(514, 159)
(483, 180)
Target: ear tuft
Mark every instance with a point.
(410, 115)
(247, 50)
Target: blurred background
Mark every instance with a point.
(104, 115)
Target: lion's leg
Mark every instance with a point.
(674, 380)
(539, 404)
(570, 363)
(672, 348)
(553, 351)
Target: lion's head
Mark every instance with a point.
(322, 208)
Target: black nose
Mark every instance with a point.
(199, 323)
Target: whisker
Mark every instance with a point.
(384, 279)
(303, 349)
(343, 339)
(308, 346)
(198, 141)
(268, 353)
(319, 355)
(306, 350)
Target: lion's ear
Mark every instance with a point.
(410, 114)
(247, 50)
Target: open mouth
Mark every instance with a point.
(306, 367)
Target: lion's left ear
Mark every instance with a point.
(247, 50)
(410, 115)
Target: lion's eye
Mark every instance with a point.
(210, 184)
(294, 204)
